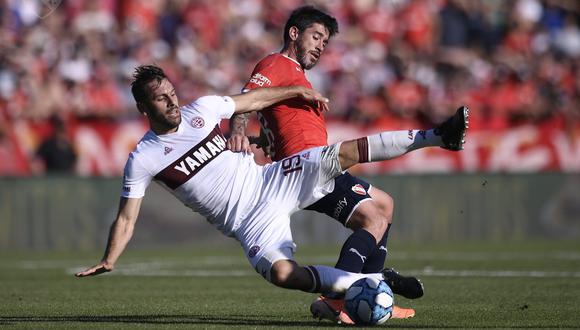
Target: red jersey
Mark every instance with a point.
(292, 125)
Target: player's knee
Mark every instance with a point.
(384, 203)
(370, 217)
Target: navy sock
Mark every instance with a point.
(376, 260)
(353, 254)
(355, 251)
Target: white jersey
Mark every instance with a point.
(194, 165)
(253, 203)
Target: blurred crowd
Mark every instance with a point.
(393, 60)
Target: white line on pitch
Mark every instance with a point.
(425, 273)
(494, 273)
(322, 259)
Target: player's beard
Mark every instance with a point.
(302, 56)
(166, 121)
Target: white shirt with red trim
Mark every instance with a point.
(194, 165)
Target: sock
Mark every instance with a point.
(355, 251)
(388, 145)
(376, 260)
(328, 279)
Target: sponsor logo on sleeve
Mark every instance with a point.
(167, 150)
(260, 80)
(359, 189)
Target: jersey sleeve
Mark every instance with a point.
(265, 74)
(136, 178)
(213, 106)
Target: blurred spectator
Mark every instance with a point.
(397, 60)
(454, 25)
(57, 153)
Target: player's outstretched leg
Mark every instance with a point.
(391, 144)
(449, 135)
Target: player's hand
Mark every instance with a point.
(102, 267)
(314, 97)
(239, 143)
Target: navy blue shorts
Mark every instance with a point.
(348, 192)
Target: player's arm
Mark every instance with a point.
(119, 235)
(261, 98)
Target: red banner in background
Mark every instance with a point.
(102, 149)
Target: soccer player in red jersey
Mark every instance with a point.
(293, 125)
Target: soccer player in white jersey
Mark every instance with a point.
(185, 152)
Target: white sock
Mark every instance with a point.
(330, 279)
(388, 145)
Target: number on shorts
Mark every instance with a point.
(291, 164)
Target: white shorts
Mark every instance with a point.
(289, 185)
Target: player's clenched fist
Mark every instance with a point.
(238, 143)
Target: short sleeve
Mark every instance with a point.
(213, 106)
(136, 178)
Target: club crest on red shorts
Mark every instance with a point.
(197, 122)
(359, 189)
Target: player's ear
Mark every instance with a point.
(293, 33)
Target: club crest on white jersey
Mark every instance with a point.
(197, 122)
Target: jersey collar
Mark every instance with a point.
(293, 60)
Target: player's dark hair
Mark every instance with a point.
(143, 75)
(304, 17)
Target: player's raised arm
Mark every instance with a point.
(119, 235)
(260, 98)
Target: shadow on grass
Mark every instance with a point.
(231, 320)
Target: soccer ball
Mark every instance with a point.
(369, 301)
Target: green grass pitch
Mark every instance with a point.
(468, 285)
